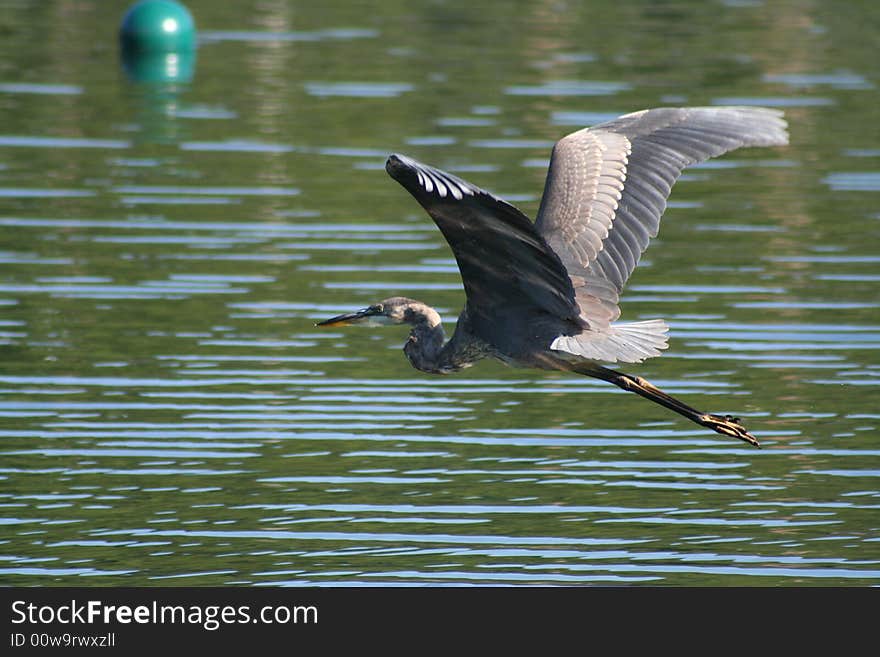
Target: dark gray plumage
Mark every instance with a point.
(545, 294)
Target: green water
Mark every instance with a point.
(170, 415)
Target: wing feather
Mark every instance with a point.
(606, 190)
(607, 185)
(507, 268)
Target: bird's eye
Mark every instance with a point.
(377, 308)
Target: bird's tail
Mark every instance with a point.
(625, 343)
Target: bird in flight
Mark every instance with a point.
(545, 294)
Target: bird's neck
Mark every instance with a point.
(427, 348)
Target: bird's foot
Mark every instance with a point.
(729, 426)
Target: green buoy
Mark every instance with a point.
(158, 39)
(158, 25)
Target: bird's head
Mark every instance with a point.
(396, 310)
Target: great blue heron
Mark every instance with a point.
(545, 294)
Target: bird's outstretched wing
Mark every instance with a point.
(607, 188)
(506, 266)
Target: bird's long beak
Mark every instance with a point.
(366, 316)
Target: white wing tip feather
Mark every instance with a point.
(436, 181)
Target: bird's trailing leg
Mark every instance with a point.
(726, 425)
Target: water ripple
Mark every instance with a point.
(569, 88)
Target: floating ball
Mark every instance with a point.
(158, 26)
(158, 39)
